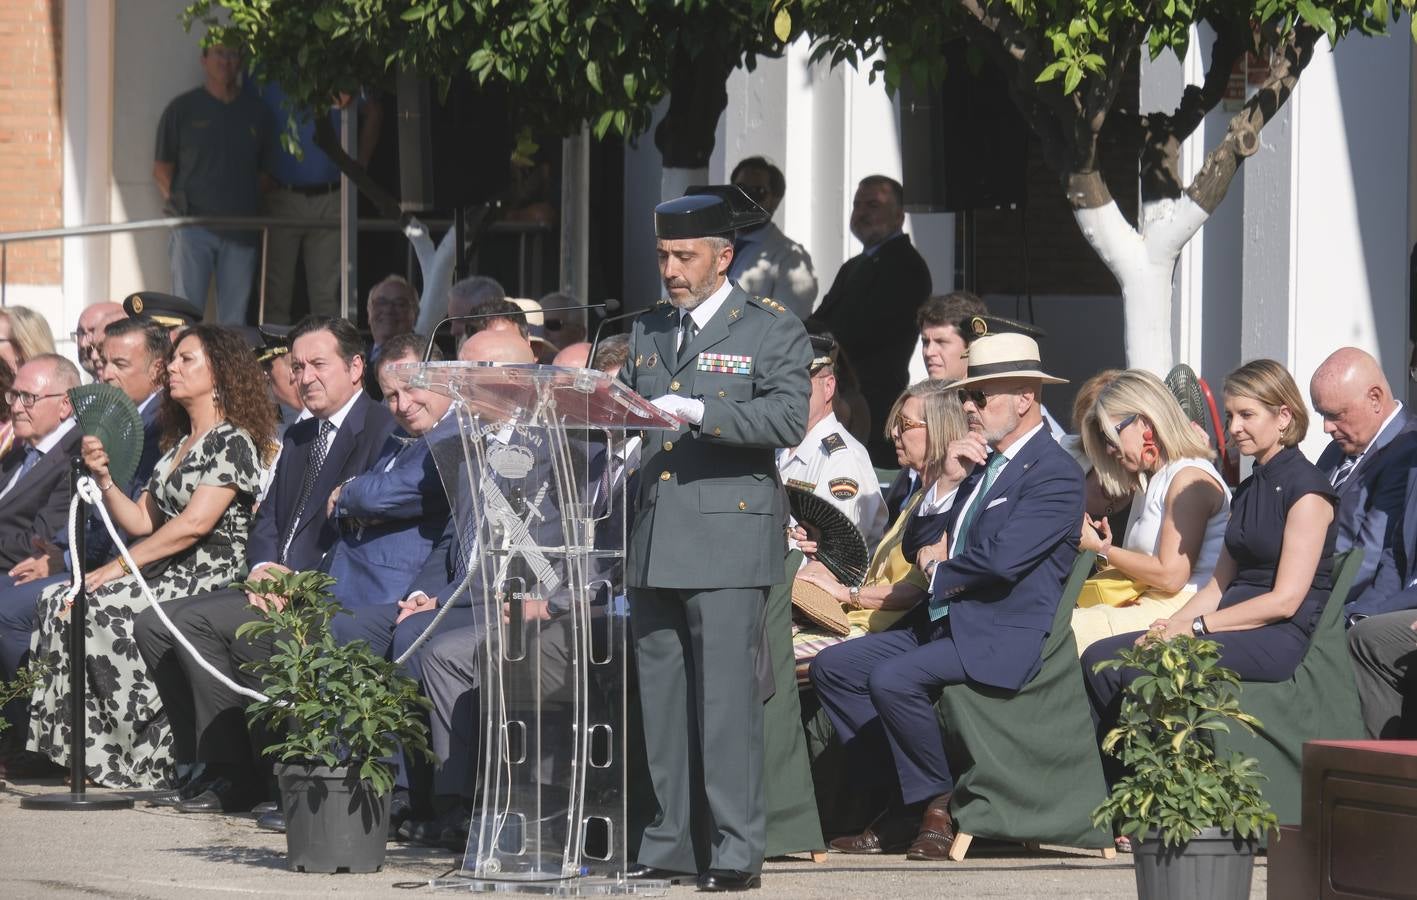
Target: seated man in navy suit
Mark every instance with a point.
(132, 356)
(291, 530)
(1374, 440)
(996, 580)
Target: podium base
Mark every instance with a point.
(71, 801)
(586, 886)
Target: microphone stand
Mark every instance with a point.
(76, 797)
(606, 321)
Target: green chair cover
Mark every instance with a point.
(886, 476)
(792, 823)
(1027, 764)
(1319, 703)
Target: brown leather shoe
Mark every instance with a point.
(889, 833)
(937, 832)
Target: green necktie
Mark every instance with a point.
(991, 471)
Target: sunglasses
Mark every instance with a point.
(977, 397)
(1125, 423)
(904, 423)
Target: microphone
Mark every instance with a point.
(610, 305)
(606, 321)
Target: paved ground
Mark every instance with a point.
(152, 852)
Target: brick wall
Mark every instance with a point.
(31, 136)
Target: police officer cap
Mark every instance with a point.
(275, 341)
(707, 211)
(164, 309)
(823, 351)
(972, 328)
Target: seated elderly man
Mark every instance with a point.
(1373, 447)
(995, 583)
(34, 475)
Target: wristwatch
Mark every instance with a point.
(930, 567)
(1198, 626)
(855, 594)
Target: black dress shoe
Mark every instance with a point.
(729, 880)
(261, 809)
(185, 791)
(272, 821)
(221, 795)
(641, 872)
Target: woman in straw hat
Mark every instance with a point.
(1140, 443)
(925, 418)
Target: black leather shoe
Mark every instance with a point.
(729, 880)
(184, 791)
(641, 872)
(272, 821)
(261, 809)
(221, 795)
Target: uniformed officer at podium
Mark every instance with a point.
(707, 539)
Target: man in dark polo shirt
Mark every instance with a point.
(211, 149)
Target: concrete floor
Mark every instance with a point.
(150, 852)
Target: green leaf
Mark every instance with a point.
(782, 25)
(592, 74)
(1318, 17)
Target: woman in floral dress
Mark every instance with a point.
(190, 529)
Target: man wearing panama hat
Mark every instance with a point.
(995, 582)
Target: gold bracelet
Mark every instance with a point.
(105, 488)
(123, 564)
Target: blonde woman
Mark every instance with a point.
(1141, 443)
(24, 334)
(921, 425)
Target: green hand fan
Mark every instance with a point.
(1185, 386)
(105, 412)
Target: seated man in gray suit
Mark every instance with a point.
(1367, 461)
(34, 475)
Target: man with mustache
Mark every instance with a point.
(707, 540)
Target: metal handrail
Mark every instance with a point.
(249, 223)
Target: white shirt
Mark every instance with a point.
(769, 264)
(1008, 455)
(47, 443)
(705, 311)
(836, 467)
(336, 421)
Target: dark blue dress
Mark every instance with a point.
(1254, 538)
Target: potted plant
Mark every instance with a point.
(339, 712)
(1198, 816)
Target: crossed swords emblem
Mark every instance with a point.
(516, 533)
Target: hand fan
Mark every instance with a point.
(840, 546)
(105, 412)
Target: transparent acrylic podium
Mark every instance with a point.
(537, 484)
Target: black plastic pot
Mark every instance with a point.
(333, 821)
(1214, 865)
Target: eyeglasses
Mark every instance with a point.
(978, 398)
(27, 400)
(1122, 425)
(904, 423)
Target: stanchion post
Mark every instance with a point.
(77, 797)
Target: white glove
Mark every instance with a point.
(686, 408)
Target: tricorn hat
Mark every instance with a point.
(164, 309)
(707, 211)
(1005, 356)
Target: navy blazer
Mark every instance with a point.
(390, 522)
(1391, 587)
(352, 452)
(38, 505)
(1004, 585)
(1372, 498)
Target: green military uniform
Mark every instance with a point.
(706, 543)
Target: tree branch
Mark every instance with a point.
(1231, 40)
(1243, 137)
(328, 141)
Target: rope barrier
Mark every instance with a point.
(88, 491)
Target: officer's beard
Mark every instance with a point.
(697, 293)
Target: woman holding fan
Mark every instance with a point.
(190, 527)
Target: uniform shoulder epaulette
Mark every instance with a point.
(833, 442)
(768, 303)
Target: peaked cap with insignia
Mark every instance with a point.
(165, 309)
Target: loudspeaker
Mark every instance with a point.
(963, 144)
(415, 143)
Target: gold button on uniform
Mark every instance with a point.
(674, 385)
(668, 445)
(742, 504)
(663, 476)
(723, 393)
(718, 431)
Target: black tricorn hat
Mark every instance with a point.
(707, 211)
(971, 328)
(165, 309)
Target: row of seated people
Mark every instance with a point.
(351, 487)
(1251, 570)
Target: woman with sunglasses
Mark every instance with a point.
(1275, 570)
(1140, 443)
(921, 425)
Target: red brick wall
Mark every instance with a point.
(31, 136)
